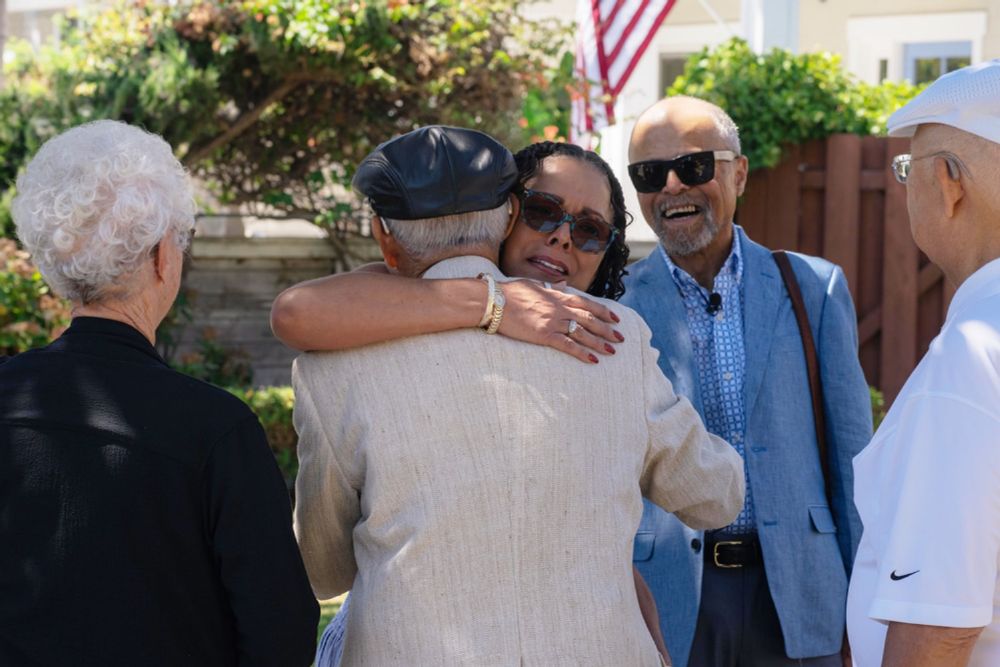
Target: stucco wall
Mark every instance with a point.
(823, 23)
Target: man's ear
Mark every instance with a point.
(949, 180)
(742, 166)
(161, 260)
(514, 210)
(386, 242)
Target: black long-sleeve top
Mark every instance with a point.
(143, 519)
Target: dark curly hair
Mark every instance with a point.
(608, 281)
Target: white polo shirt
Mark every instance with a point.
(928, 489)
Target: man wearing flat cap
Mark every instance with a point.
(925, 588)
(478, 494)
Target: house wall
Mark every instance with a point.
(824, 24)
(32, 20)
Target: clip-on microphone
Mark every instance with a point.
(714, 303)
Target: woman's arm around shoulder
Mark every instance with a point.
(370, 305)
(365, 306)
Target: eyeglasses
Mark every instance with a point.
(901, 165)
(692, 169)
(544, 213)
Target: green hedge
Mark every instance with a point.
(273, 406)
(314, 85)
(30, 316)
(781, 98)
(878, 406)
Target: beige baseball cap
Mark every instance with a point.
(967, 99)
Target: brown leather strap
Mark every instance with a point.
(812, 364)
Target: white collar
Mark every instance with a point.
(984, 283)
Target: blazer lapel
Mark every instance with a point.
(762, 295)
(659, 302)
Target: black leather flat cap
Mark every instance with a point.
(435, 171)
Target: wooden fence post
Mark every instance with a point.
(784, 191)
(841, 225)
(899, 285)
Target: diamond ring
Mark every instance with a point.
(572, 327)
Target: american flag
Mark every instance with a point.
(611, 37)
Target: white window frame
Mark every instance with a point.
(663, 85)
(873, 38)
(940, 51)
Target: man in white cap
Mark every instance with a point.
(925, 582)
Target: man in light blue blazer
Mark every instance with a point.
(771, 588)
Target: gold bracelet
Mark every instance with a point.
(491, 286)
(499, 301)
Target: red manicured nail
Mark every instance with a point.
(608, 348)
(592, 358)
(614, 317)
(620, 337)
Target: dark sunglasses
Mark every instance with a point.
(692, 169)
(544, 213)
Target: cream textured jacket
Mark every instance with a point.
(479, 495)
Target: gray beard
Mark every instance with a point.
(681, 243)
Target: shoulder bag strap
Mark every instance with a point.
(812, 364)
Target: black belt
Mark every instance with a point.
(732, 551)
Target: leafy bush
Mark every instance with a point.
(6, 219)
(273, 102)
(273, 406)
(30, 316)
(212, 362)
(546, 111)
(878, 406)
(23, 129)
(781, 98)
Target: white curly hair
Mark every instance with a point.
(95, 201)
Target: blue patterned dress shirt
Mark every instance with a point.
(717, 343)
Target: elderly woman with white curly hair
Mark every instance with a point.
(142, 517)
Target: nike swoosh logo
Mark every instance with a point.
(897, 577)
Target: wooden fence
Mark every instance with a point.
(837, 198)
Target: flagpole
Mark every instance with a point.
(716, 17)
(752, 16)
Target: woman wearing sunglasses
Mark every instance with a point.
(570, 230)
